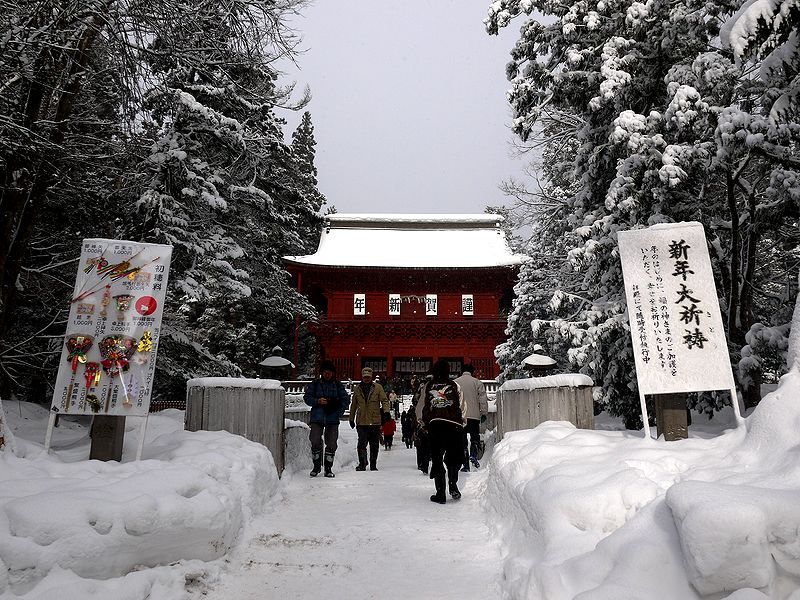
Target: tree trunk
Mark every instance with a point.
(752, 239)
(734, 332)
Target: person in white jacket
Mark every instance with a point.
(477, 404)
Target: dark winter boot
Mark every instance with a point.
(465, 462)
(317, 458)
(439, 496)
(473, 455)
(362, 460)
(373, 460)
(453, 489)
(329, 464)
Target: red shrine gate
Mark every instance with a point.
(398, 292)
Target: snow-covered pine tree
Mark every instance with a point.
(223, 188)
(650, 112)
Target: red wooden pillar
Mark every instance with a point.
(297, 329)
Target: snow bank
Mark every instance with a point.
(607, 514)
(234, 382)
(297, 455)
(74, 524)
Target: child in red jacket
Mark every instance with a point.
(387, 429)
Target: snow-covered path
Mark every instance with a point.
(364, 535)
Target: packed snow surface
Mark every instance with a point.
(367, 535)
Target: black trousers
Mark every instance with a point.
(473, 429)
(446, 444)
(423, 451)
(368, 434)
(330, 433)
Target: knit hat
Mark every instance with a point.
(327, 365)
(366, 372)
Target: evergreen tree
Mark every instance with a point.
(229, 194)
(656, 128)
(86, 87)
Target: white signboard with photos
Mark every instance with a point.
(109, 354)
(676, 325)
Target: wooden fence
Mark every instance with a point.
(246, 407)
(527, 407)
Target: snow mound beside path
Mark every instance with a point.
(607, 514)
(73, 524)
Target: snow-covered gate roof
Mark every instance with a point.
(412, 241)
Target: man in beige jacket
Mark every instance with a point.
(477, 403)
(368, 402)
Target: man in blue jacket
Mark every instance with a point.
(328, 401)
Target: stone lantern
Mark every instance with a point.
(275, 366)
(538, 363)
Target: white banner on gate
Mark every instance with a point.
(109, 355)
(676, 325)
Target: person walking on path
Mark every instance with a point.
(477, 404)
(388, 429)
(407, 428)
(441, 411)
(420, 434)
(369, 401)
(328, 400)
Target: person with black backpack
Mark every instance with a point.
(441, 412)
(328, 401)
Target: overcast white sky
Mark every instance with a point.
(408, 104)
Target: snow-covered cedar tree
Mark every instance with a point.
(226, 191)
(658, 129)
(763, 358)
(766, 33)
(87, 91)
(304, 152)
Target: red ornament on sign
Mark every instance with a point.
(146, 305)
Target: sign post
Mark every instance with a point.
(108, 358)
(676, 326)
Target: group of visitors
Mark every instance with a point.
(444, 423)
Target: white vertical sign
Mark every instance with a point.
(676, 325)
(431, 304)
(394, 304)
(359, 304)
(467, 304)
(108, 359)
